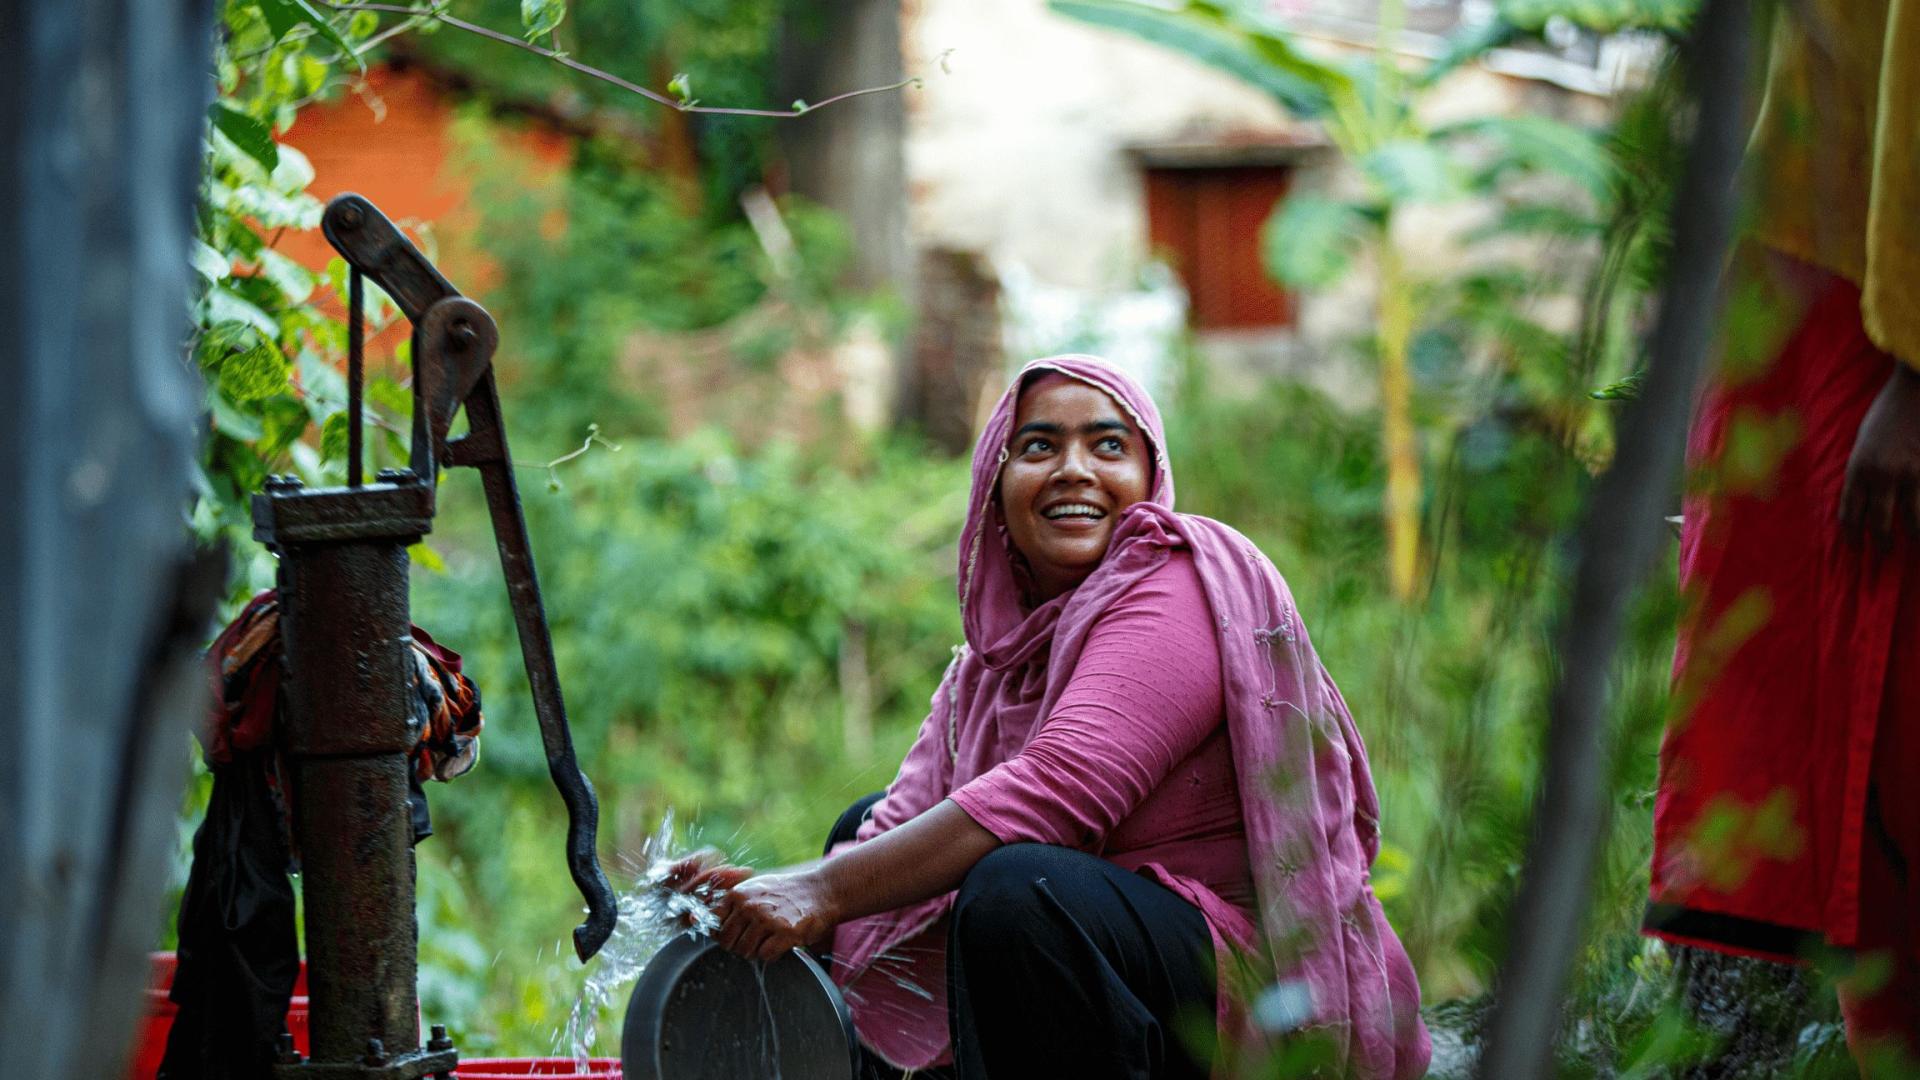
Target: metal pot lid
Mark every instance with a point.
(699, 1012)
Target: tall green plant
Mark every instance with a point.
(1367, 107)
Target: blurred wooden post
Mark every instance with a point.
(102, 605)
(1622, 532)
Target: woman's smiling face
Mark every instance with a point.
(1074, 462)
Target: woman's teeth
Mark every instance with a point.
(1053, 513)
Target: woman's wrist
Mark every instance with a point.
(822, 881)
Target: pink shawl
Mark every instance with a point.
(1311, 815)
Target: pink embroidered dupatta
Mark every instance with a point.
(1310, 812)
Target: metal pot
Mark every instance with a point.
(699, 1012)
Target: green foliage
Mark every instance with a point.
(1621, 389)
(700, 601)
(284, 16)
(541, 17)
(253, 137)
(1310, 240)
(1548, 182)
(627, 256)
(268, 332)
(1206, 33)
(726, 48)
(264, 343)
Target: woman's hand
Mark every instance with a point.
(767, 916)
(706, 876)
(705, 872)
(1881, 494)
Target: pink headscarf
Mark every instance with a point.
(1307, 798)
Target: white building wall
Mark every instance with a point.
(1018, 149)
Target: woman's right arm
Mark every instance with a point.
(925, 777)
(930, 855)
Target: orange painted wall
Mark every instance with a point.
(393, 143)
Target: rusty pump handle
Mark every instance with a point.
(453, 344)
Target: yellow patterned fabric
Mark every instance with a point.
(1837, 154)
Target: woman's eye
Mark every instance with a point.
(1112, 444)
(1034, 446)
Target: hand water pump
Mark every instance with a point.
(345, 730)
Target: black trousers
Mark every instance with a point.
(1061, 965)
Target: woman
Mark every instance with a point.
(1136, 780)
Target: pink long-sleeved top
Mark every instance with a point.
(1133, 764)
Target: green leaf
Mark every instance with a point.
(1625, 389)
(1466, 46)
(1411, 171)
(254, 373)
(223, 305)
(208, 262)
(333, 437)
(284, 15)
(427, 558)
(1299, 85)
(325, 385)
(294, 281)
(270, 209)
(218, 341)
(541, 16)
(254, 137)
(681, 86)
(1557, 221)
(1310, 240)
(390, 397)
(230, 421)
(1543, 145)
(282, 421)
(294, 172)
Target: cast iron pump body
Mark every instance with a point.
(346, 731)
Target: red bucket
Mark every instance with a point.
(159, 1018)
(543, 1068)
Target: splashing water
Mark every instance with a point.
(651, 915)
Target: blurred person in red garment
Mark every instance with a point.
(1784, 824)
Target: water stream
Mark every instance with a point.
(650, 916)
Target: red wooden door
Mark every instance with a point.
(1206, 222)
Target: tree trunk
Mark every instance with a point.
(851, 158)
